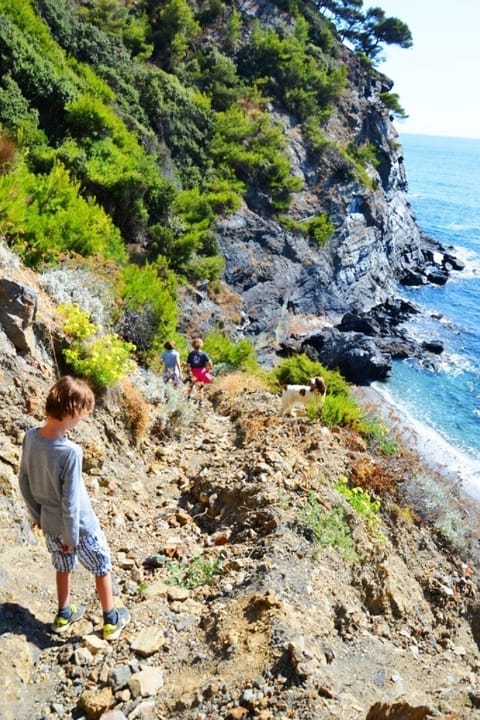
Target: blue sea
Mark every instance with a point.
(444, 405)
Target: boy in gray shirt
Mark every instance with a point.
(55, 494)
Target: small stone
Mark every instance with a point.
(177, 593)
(95, 703)
(148, 641)
(95, 644)
(119, 676)
(147, 682)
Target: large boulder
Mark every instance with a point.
(355, 355)
(18, 309)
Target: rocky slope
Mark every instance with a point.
(212, 515)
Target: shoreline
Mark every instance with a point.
(457, 471)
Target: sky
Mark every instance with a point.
(437, 79)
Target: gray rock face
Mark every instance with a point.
(18, 307)
(285, 280)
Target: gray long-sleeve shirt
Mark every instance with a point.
(53, 488)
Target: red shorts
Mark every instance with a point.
(201, 375)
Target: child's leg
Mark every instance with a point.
(64, 584)
(103, 584)
(64, 564)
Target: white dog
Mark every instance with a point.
(302, 394)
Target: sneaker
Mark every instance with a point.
(113, 632)
(61, 624)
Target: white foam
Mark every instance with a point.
(470, 258)
(456, 465)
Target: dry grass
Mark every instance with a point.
(8, 151)
(228, 300)
(136, 411)
(238, 382)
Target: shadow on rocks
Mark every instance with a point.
(18, 620)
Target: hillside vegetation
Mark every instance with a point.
(129, 128)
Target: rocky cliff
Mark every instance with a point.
(283, 283)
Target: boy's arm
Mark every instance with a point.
(33, 507)
(71, 481)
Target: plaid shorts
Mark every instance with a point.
(92, 551)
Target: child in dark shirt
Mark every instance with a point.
(199, 366)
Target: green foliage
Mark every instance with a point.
(184, 120)
(378, 436)
(391, 100)
(222, 350)
(215, 74)
(198, 571)
(356, 160)
(338, 408)
(190, 244)
(288, 67)
(320, 229)
(338, 411)
(45, 84)
(76, 322)
(149, 293)
(44, 216)
(250, 144)
(364, 154)
(298, 369)
(200, 267)
(16, 113)
(362, 503)
(377, 28)
(329, 529)
(174, 27)
(102, 359)
(315, 136)
(233, 30)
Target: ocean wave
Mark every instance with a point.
(470, 258)
(456, 364)
(437, 452)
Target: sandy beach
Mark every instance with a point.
(442, 458)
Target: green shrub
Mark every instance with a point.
(288, 67)
(174, 27)
(378, 436)
(222, 350)
(250, 144)
(315, 136)
(76, 322)
(102, 359)
(198, 571)
(320, 229)
(149, 292)
(329, 529)
(362, 503)
(44, 216)
(204, 268)
(392, 102)
(299, 369)
(337, 411)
